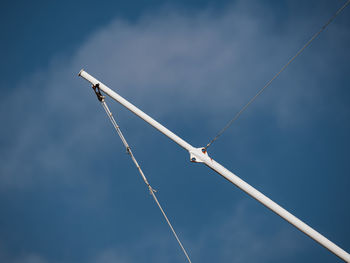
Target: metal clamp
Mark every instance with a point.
(98, 93)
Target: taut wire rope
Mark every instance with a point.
(276, 75)
(101, 98)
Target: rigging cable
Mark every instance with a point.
(276, 75)
(101, 98)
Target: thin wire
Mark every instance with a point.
(151, 190)
(275, 76)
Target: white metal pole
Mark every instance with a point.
(200, 155)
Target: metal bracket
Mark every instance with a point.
(198, 155)
(98, 93)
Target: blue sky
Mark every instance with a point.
(68, 191)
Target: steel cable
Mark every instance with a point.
(128, 149)
(276, 75)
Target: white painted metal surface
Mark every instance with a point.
(200, 155)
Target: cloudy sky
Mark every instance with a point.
(68, 191)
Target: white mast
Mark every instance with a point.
(200, 155)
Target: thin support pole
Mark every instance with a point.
(201, 155)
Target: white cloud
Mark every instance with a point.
(192, 68)
(196, 67)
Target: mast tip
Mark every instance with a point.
(79, 74)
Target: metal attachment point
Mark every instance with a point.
(199, 155)
(98, 93)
